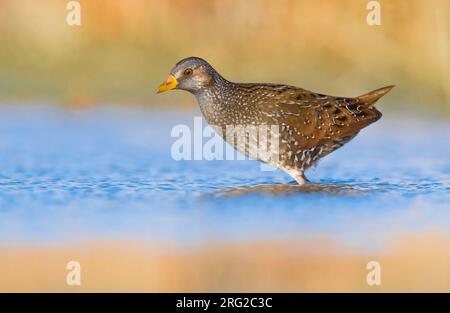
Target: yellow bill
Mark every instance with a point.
(170, 83)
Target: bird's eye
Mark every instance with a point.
(188, 71)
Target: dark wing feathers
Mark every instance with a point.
(321, 120)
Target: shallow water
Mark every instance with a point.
(107, 173)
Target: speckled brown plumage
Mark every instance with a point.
(311, 125)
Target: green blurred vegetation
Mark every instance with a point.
(124, 49)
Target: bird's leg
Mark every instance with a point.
(301, 179)
(299, 176)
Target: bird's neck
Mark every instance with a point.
(214, 99)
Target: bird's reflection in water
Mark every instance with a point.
(292, 189)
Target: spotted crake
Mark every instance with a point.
(310, 125)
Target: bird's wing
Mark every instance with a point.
(312, 119)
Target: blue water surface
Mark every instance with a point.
(107, 173)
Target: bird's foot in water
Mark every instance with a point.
(299, 176)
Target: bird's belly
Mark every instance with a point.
(258, 142)
(293, 147)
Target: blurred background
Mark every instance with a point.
(124, 49)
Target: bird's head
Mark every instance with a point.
(191, 74)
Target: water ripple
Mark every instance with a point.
(108, 172)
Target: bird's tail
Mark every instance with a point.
(373, 96)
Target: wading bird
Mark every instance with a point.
(311, 125)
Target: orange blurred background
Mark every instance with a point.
(408, 263)
(124, 49)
